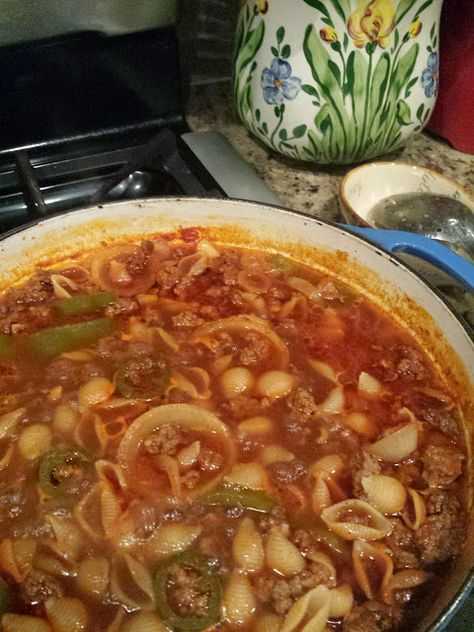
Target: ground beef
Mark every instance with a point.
(442, 465)
(122, 307)
(38, 587)
(25, 309)
(281, 593)
(138, 261)
(242, 406)
(400, 363)
(362, 464)
(210, 460)
(10, 376)
(285, 472)
(166, 440)
(436, 501)
(442, 534)
(256, 350)
(186, 592)
(371, 616)
(187, 319)
(402, 544)
(433, 407)
(62, 371)
(301, 404)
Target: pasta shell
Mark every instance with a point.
(274, 454)
(320, 495)
(324, 560)
(194, 381)
(99, 512)
(338, 518)
(268, 623)
(414, 514)
(6, 457)
(8, 421)
(398, 445)
(93, 576)
(403, 580)
(16, 557)
(373, 567)
(330, 465)
(91, 435)
(282, 555)
(385, 493)
(170, 539)
(369, 385)
(247, 547)
(236, 381)
(256, 426)
(34, 441)
(254, 281)
(110, 509)
(275, 384)
(342, 600)
(296, 307)
(334, 402)
(95, 391)
(311, 612)
(252, 475)
(111, 473)
(67, 614)
(131, 583)
(166, 340)
(54, 564)
(361, 423)
(206, 248)
(221, 364)
(24, 623)
(61, 285)
(144, 622)
(116, 624)
(239, 599)
(305, 287)
(69, 540)
(64, 419)
(324, 369)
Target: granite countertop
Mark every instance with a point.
(306, 187)
(313, 189)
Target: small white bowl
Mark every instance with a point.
(363, 187)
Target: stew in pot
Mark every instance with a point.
(194, 437)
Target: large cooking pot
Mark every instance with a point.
(352, 259)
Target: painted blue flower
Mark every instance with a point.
(430, 76)
(278, 84)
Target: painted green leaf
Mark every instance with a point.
(432, 31)
(283, 134)
(248, 52)
(318, 60)
(423, 7)
(276, 111)
(402, 9)
(309, 89)
(257, 115)
(405, 68)
(340, 6)
(345, 42)
(426, 115)
(322, 118)
(396, 39)
(280, 34)
(274, 51)
(299, 131)
(410, 85)
(286, 52)
(327, 21)
(419, 112)
(378, 90)
(403, 113)
(265, 127)
(334, 68)
(319, 5)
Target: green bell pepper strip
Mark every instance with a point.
(49, 343)
(229, 495)
(7, 347)
(209, 583)
(5, 596)
(83, 303)
(62, 471)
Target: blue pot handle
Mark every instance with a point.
(428, 249)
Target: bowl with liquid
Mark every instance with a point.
(405, 197)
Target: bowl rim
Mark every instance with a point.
(353, 214)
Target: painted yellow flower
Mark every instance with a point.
(372, 21)
(415, 28)
(328, 34)
(262, 6)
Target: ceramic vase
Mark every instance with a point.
(336, 81)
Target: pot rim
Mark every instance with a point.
(467, 585)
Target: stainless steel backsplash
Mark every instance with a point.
(24, 20)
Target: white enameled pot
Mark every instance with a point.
(330, 248)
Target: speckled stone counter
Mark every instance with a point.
(306, 187)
